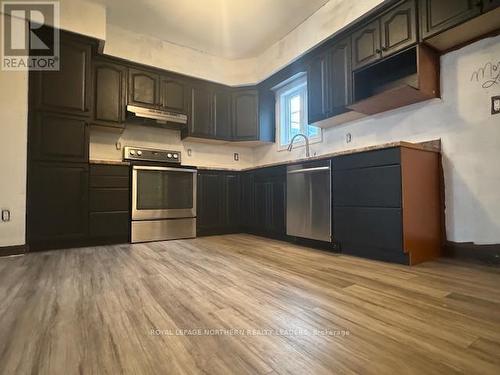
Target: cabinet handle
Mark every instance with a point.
(378, 50)
(384, 49)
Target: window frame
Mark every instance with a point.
(297, 85)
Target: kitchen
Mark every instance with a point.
(339, 162)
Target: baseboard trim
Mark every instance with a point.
(489, 254)
(12, 250)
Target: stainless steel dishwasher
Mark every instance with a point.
(309, 200)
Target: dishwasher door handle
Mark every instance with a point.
(309, 170)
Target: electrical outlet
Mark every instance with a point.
(5, 215)
(118, 145)
(236, 156)
(190, 152)
(495, 105)
(348, 138)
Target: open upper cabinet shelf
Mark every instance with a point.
(408, 77)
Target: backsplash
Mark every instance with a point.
(103, 147)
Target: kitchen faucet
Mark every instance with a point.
(290, 146)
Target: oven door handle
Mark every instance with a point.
(148, 168)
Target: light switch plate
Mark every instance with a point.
(236, 156)
(495, 105)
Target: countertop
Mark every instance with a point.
(431, 146)
(109, 162)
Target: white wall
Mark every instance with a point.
(13, 141)
(470, 140)
(328, 20)
(103, 147)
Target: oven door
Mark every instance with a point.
(163, 193)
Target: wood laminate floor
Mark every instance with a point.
(290, 309)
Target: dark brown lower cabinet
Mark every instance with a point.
(109, 204)
(218, 202)
(264, 200)
(57, 205)
(386, 205)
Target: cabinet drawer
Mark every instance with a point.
(367, 227)
(109, 200)
(109, 182)
(109, 224)
(109, 170)
(368, 187)
(367, 159)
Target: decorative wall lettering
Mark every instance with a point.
(488, 75)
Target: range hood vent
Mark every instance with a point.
(145, 115)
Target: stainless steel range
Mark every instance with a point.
(163, 195)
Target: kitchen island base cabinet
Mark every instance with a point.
(387, 204)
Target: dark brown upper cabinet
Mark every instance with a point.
(110, 84)
(143, 88)
(398, 28)
(392, 32)
(201, 123)
(319, 87)
(245, 115)
(366, 46)
(341, 76)
(58, 137)
(222, 114)
(407, 77)
(67, 90)
(437, 16)
(329, 82)
(174, 95)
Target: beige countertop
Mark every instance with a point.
(109, 162)
(431, 146)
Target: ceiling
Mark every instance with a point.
(232, 29)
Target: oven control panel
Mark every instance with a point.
(149, 154)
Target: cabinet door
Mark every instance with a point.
(58, 205)
(201, 122)
(278, 207)
(359, 228)
(109, 98)
(341, 80)
(319, 87)
(222, 117)
(209, 201)
(232, 201)
(173, 95)
(246, 115)
(398, 28)
(366, 45)
(55, 137)
(262, 206)
(248, 208)
(143, 88)
(439, 15)
(67, 90)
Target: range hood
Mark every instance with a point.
(147, 115)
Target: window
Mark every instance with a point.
(291, 110)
